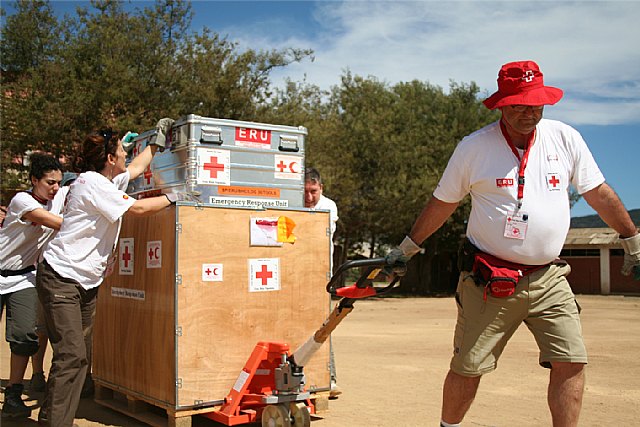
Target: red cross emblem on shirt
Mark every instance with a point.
(213, 167)
(554, 181)
(264, 275)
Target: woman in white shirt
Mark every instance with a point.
(31, 218)
(76, 260)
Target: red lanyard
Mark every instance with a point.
(523, 161)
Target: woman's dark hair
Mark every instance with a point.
(42, 163)
(95, 148)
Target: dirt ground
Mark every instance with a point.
(392, 355)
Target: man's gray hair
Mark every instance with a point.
(312, 175)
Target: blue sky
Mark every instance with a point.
(587, 48)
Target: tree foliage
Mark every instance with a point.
(381, 148)
(110, 66)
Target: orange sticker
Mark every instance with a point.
(285, 230)
(124, 196)
(249, 191)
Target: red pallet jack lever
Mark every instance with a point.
(271, 386)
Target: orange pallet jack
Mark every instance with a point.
(271, 386)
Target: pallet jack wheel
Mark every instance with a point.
(276, 416)
(300, 416)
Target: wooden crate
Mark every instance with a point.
(171, 339)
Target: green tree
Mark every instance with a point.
(107, 66)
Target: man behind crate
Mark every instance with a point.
(518, 171)
(314, 199)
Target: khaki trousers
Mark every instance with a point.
(68, 312)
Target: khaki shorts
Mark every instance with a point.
(543, 301)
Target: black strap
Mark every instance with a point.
(7, 273)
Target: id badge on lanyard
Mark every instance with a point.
(517, 221)
(516, 225)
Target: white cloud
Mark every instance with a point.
(589, 49)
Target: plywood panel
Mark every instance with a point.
(135, 344)
(222, 321)
(134, 339)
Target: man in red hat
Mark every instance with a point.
(518, 171)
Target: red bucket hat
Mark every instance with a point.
(521, 83)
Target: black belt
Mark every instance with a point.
(7, 273)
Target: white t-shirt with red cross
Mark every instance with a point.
(22, 241)
(484, 166)
(91, 226)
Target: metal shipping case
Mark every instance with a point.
(227, 163)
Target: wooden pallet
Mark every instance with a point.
(150, 413)
(144, 410)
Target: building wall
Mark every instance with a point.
(585, 274)
(622, 284)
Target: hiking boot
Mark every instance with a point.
(13, 405)
(37, 383)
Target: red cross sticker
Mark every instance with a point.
(148, 175)
(213, 167)
(282, 166)
(126, 256)
(553, 182)
(153, 254)
(212, 272)
(264, 274)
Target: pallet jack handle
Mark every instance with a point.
(363, 288)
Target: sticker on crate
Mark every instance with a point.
(147, 179)
(264, 232)
(271, 231)
(154, 254)
(254, 138)
(264, 274)
(213, 167)
(136, 294)
(288, 167)
(212, 273)
(125, 256)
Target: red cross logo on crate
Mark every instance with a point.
(283, 166)
(264, 274)
(213, 167)
(153, 253)
(126, 256)
(148, 175)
